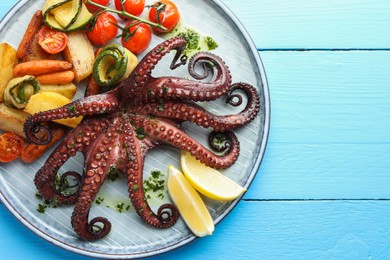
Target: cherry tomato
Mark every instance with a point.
(104, 29)
(52, 41)
(166, 13)
(136, 37)
(134, 7)
(93, 8)
(11, 146)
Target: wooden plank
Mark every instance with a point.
(267, 230)
(331, 97)
(316, 24)
(329, 136)
(323, 171)
(312, 24)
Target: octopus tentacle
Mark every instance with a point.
(140, 113)
(252, 107)
(191, 112)
(130, 88)
(168, 133)
(164, 88)
(98, 104)
(91, 186)
(219, 141)
(104, 154)
(167, 214)
(78, 140)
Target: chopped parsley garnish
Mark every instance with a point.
(155, 184)
(99, 200)
(72, 109)
(140, 133)
(113, 173)
(211, 43)
(196, 41)
(41, 208)
(192, 38)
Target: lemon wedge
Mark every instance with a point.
(189, 203)
(209, 181)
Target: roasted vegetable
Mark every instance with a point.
(33, 151)
(35, 52)
(39, 67)
(49, 100)
(61, 77)
(19, 90)
(52, 41)
(66, 15)
(110, 65)
(31, 32)
(67, 90)
(11, 145)
(113, 64)
(92, 87)
(79, 52)
(8, 61)
(12, 120)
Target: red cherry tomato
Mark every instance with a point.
(166, 13)
(136, 37)
(104, 30)
(93, 8)
(134, 7)
(52, 41)
(11, 146)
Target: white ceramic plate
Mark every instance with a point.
(130, 237)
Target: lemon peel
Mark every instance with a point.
(189, 203)
(208, 181)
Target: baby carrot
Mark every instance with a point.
(93, 87)
(39, 67)
(61, 77)
(32, 29)
(33, 151)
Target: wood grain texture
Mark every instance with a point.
(329, 134)
(268, 230)
(315, 24)
(323, 189)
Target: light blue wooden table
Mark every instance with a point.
(323, 189)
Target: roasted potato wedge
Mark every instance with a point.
(8, 60)
(79, 51)
(12, 120)
(49, 100)
(67, 90)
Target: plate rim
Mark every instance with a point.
(253, 172)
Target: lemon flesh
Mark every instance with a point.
(189, 203)
(209, 181)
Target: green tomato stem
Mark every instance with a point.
(126, 14)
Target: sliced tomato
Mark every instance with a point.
(93, 8)
(166, 13)
(134, 7)
(52, 41)
(136, 37)
(104, 30)
(11, 146)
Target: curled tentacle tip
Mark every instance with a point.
(210, 63)
(69, 187)
(175, 64)
(98, 231)
(234, 100)
(168, 214)
(37, 133)
(220, 141)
